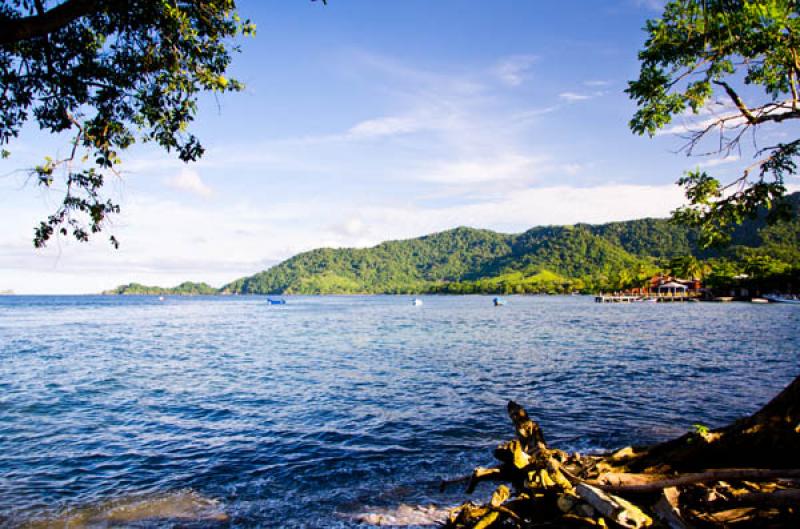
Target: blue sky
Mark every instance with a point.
(364, 121)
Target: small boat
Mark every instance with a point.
(273, 301)
(759, 300)
(416, 302)
(498, 302)
(778, 298)
(160, 298)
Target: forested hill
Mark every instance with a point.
(545, 255)
(186, 288)
(543, 259)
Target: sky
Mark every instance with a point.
(366, 121)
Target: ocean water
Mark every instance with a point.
(234, 413)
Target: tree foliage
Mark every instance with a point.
(735, 63)
(109, 73)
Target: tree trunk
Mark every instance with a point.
(770, 438)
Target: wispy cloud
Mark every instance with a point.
(597, 83)
(386, 126)
(573, 97)
(189, 180)
(719, 161)
(447, 128)
(504, 167)
(514, 70)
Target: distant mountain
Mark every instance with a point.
(543, 259)
(186, 288)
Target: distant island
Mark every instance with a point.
(187, 288)
(550, 259)
(6, 292)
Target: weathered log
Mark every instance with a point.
(528, 432)
(770, 438)
(487, 520)
(778, 498)
(466, 515)
(498, 497)
(668, 510)
(620, 511)
(512, 453)
(484, 474)
(730, 516)
(629, 482)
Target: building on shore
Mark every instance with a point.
(661, 288)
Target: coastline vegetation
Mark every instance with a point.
(187, 288)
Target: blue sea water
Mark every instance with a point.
(306, 414)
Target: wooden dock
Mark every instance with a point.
(645, 298)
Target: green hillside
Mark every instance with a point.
(548, 259)
(187, 288)
(391, 267)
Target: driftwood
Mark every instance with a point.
(778, 498)
(680, 484)
(767, 439)
(625, 482)
(668, 510)
(618, 510)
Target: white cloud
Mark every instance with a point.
(597, 82)
(572, 97)
(189, 180)
(350, 227)
(514, 70)
(489, 169)
(572, 168)
(387, 126)
(719, 161)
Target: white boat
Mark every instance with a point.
(777, 298)
(416, 302)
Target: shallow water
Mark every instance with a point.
(313, 413)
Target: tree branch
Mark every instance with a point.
(14, 30)
(737, 101)
(751, 118)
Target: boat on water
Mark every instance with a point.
(416, 302)
(274, 301)
(498, 302)
(778, 298)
